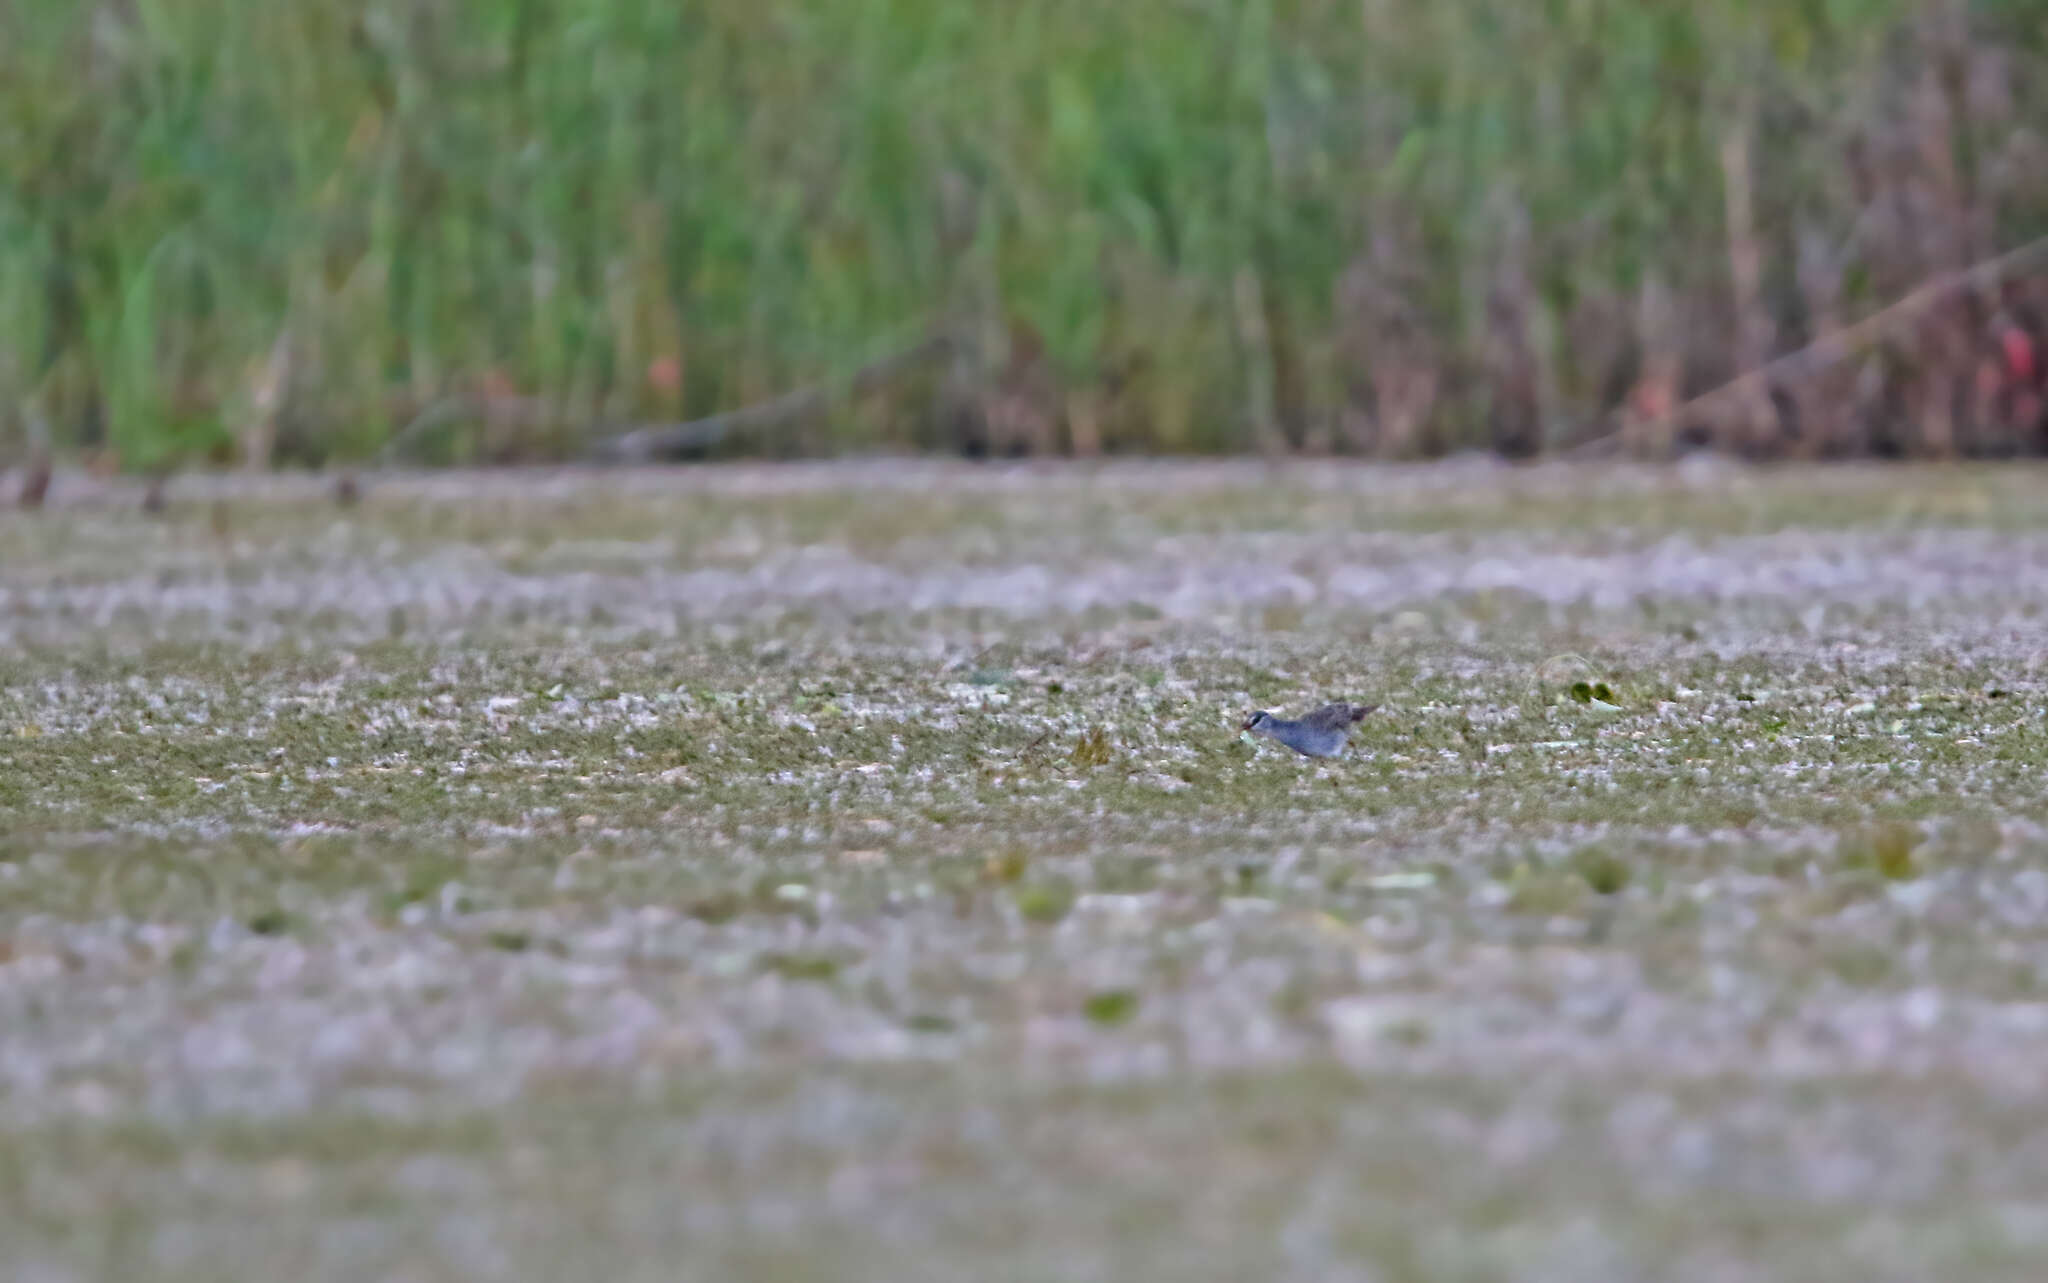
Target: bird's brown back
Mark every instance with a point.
(1337, 717)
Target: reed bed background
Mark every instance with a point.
(500, 229)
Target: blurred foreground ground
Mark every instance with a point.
(854, 871)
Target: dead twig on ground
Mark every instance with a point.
(647, 442)
(522, 411)
(1833, 348)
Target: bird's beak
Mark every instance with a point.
(1249, 722)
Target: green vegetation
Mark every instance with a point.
(705, 880)
(237, 227)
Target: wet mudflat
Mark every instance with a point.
(856, 870)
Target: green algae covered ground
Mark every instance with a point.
(855, 871)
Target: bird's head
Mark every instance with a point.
(1256, 721)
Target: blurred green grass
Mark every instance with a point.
(1398, 226)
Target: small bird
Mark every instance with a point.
(1321, 733)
